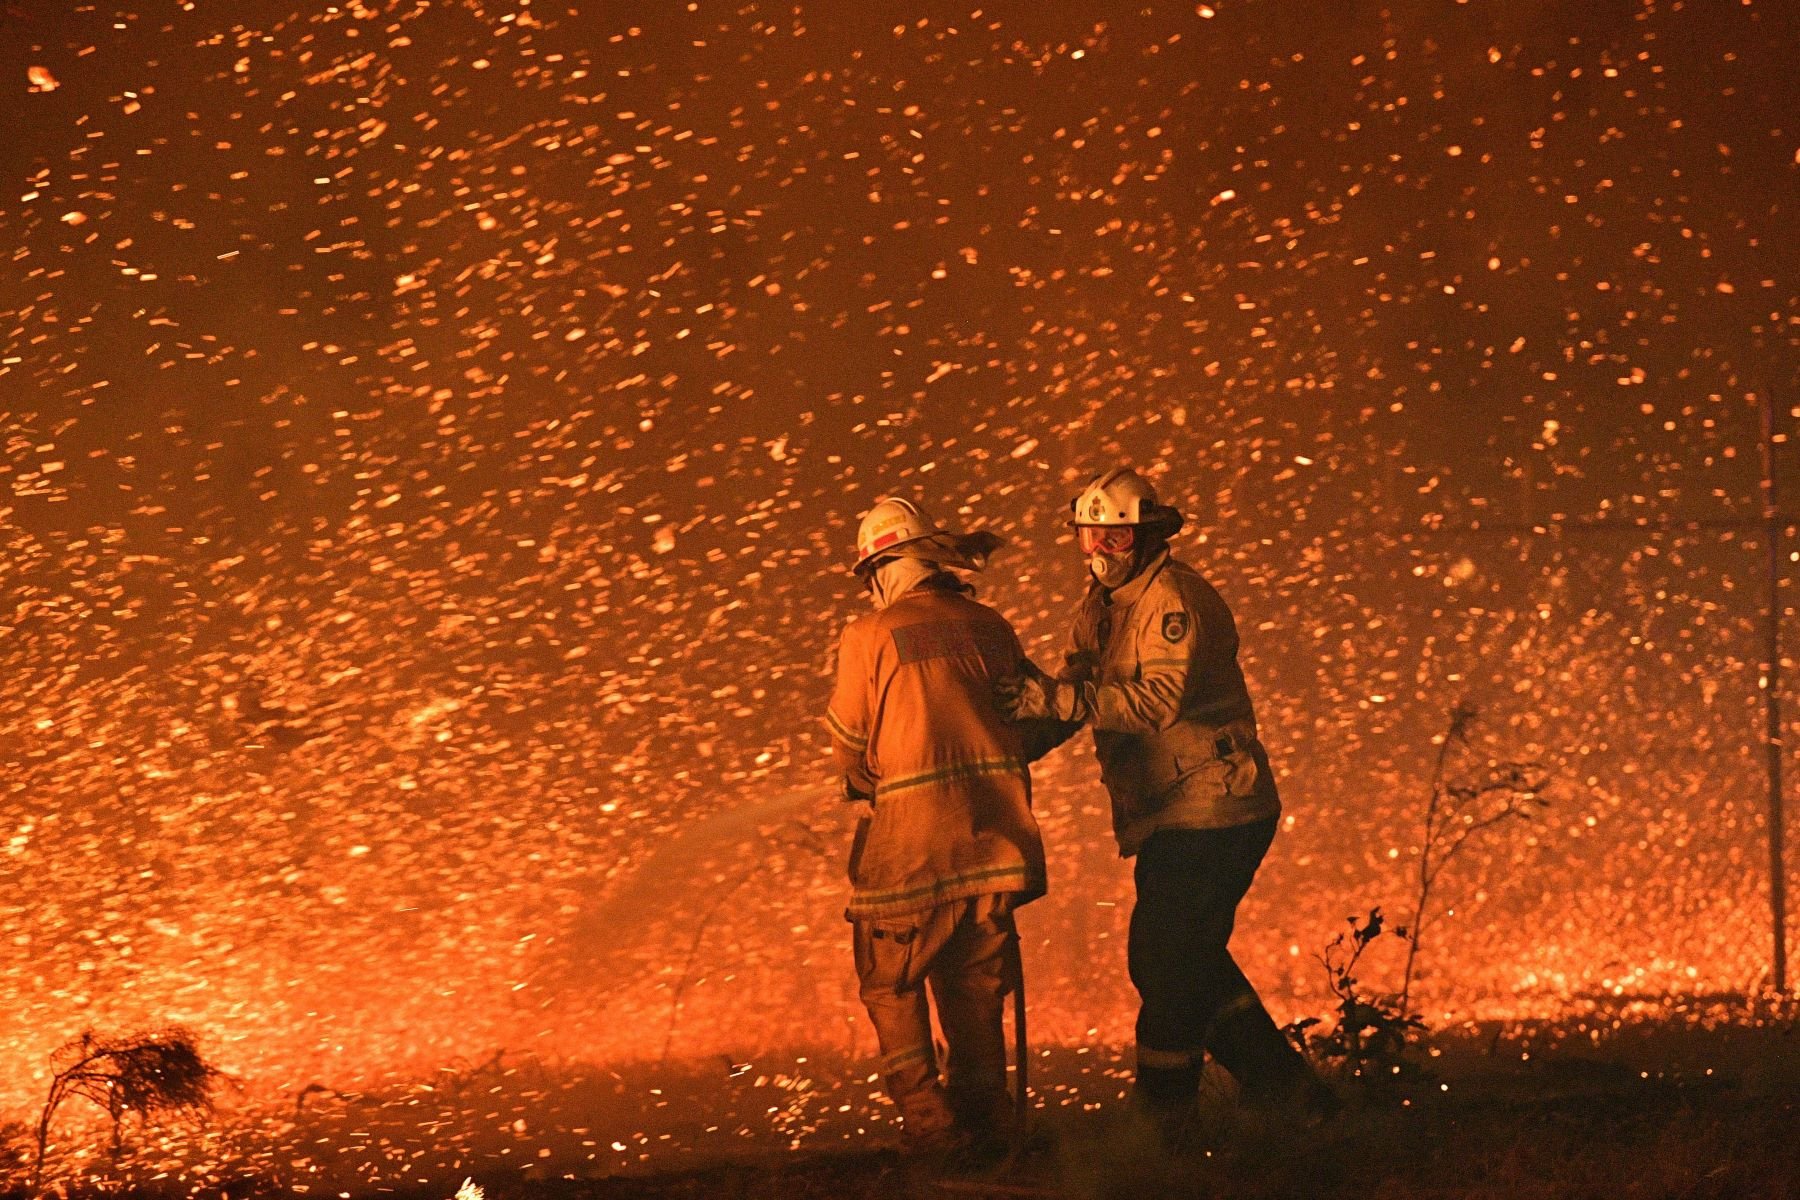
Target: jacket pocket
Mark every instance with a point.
(1240, 751)
(1225, 755)
(1241, 772)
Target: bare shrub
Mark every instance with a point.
(1467, 799)
(1371, 1031)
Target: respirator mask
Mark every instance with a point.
(1112, 552)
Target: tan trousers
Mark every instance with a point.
(965, 951)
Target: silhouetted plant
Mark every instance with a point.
(146, 1073)
(15, 1154)
(462, 1077)
(1370, 1034)
(1459, 808)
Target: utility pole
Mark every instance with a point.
(1771, 682)
(1774, 527)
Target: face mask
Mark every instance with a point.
(1111, 551)
(1113, 570)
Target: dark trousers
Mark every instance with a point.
(1195, 998)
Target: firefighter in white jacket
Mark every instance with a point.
(1152, 667)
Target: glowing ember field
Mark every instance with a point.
(431, 435)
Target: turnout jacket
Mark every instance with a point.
(914, 724)
(1174, 728)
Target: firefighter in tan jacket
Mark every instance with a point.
(951, 847)
(1152, 668)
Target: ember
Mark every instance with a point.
(431, 436)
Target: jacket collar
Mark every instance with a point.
(1135, 587)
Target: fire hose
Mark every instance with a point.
(1021, 1049)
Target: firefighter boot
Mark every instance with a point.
(1273, 1077)
(1168, 1098)
(928, 1126)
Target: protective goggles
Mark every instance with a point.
(1106, 539)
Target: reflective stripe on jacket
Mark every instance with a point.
(1174, 728)
(914, 723)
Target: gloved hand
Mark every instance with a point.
(1032, 695)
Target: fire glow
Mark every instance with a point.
(430, 436)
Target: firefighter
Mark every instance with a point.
(1152, 669)
(950, 849)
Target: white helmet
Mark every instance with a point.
(1119, 497)
(892, 522)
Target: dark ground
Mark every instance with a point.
(1677, 1100)
(1604, 1137)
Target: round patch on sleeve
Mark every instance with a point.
(1175, 626)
